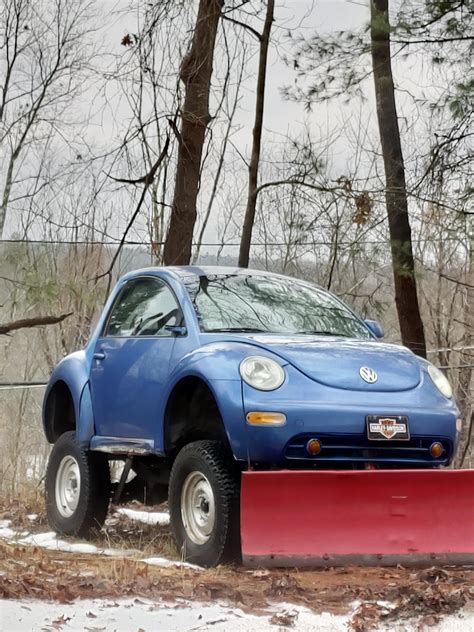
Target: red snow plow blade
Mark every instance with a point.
(365, 517)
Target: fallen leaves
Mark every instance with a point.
(287, 618)
(60, 621)
(429, 595)
(366, 616)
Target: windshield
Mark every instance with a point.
(240, 303)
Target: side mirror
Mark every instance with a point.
(375, 327)
(177, 330)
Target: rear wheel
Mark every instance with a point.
(77, 488)
(204, 503)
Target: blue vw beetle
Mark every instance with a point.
(194, 374)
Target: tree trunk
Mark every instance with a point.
(406, 298)
(465, 395)
(195, 73)
(249, 219)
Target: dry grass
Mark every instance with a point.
(17, 510)
(119, 531)
(123, 533)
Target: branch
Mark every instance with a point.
(448, 278)
(147, 179)
(175, 129)
(441, 40)
(243, 25)
(27, 323)
(296, 182)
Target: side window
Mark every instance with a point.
(144, 308)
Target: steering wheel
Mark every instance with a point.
(141, 328)
(142, 323)
(167, 317)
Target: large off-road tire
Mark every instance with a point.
(204, 490)
(77, 488)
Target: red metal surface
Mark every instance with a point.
(340, 517)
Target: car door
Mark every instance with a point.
(131, 359)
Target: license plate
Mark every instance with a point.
(387, 428)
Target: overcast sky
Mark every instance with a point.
(282, 117)
(300, 16)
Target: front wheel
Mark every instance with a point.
(204, 503)
(77, 488)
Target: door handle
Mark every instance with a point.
(99, 355)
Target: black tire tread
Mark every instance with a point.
(219, 458)
(95, 489)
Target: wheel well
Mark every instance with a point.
(59, 415)
(191, 414)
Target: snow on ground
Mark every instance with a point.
(135, 614)
(166, 563)
(49, 540)
(126, 615)
(147, 517)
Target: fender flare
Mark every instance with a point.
(202, 363)
(73, 371)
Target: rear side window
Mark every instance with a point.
(144, 308)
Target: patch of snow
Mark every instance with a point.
(463, 621)
(124, 615)
(147, 517)
(50, 541)
(166, 563)
(7, 533)
(132, 614)
(5, 523)
(32, 517)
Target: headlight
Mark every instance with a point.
(440, 381)
(262, 373)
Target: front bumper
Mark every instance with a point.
(340, 449)
(377, 518)
(338, 418)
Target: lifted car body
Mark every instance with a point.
(213, 383)
(121, 387)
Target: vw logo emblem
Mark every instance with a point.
(368, 375)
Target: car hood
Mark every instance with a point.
(337, 362)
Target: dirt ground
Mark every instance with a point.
(35, 573)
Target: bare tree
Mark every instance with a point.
(230, 108)
(43, 55)
(195, 73)
(406, 297)
(252, 193)
(145, 76)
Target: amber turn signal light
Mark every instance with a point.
(313, 447)
(436, 449)
(265, 419)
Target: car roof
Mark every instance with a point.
(186, 271)
(182, 273)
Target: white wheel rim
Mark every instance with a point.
(68, 486)
(198, 510)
